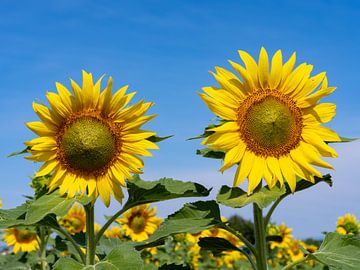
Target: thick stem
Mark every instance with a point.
(108, 223)
(260, 238)
(291, 265)
(90, 234)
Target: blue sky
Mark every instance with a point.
(164, 50)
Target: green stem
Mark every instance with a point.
(90, 234)
(291, 265)
(260, 238)
(44, 236)
(241, 238)
(271, 210)
(72, 241)
(108, 223)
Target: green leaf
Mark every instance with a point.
(191, 218)
(206, 133)
(304, 184)
(141, 192)
(13, 217)
(67, 263)
(340, 252)
(344, 139)
(156, 139)
(34, 211)
(51, 203)
(236, 197)
(206, 152)
(216, 245)
(123, 257)
(25, 151)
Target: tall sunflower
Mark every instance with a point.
(140, 222)
(89, 139)
(271, 120)
(23, 240)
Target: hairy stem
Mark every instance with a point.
(90, 234)
(260, 238)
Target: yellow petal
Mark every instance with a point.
(314, 139)
(218, 108)
(263, 68)
(65, 95)
(233, 156)
(222, 96)
(288, 66)
(41, 129)
(249, 85)
(47, 168)
(276, 70)
(274, 167)
(105, 98)
(244, 168)
(314, 98)
(256, 173)
(288, 172)
(321, 113)
(251, 66)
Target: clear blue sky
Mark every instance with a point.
(163, 50)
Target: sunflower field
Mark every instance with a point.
(90, 142)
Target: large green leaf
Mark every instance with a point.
(123, 257)
(191, 218)
(340, 252)
(68, 263)
(34, 211)
(236, 197)
(141, 192)
(51, 204)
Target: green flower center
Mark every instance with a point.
(138, 224)
(25, 235)
(270, 123)
(88, 145)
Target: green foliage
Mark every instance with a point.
(35, 211)
(122, 257)
(208, 153)
(141, 192)
(340, 252)
(236, 197)
(174, 267)
(24, 151)
(216, 245)
(191, 218)
(156, 139)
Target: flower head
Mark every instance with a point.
(23, 240)
(271, 120)
(348, 224)
(140, 222)
(75, 220)
(90, 140)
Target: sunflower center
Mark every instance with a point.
(270, 123)
(88, 144)
(138, 224)
(25, 235)
(76, 224)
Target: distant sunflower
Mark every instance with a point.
(140, 222)
(114, 232)
(90, 140)
(348, 224)
(271, 120)
(75, 220)
(23, 240)
(283, 231)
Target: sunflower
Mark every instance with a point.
(75, 220)
(114, 232)
(89, 139)
(271, 120)
(283, 231)
(294, 249)
(348, 224)
(140, 222)
(23, 240)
